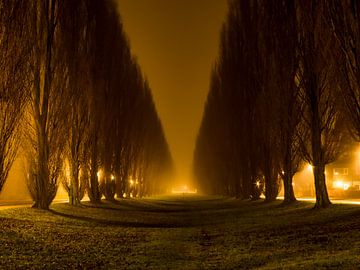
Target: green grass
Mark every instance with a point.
(181, 233)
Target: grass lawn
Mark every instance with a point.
(181, 233)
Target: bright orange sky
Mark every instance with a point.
(176, 43)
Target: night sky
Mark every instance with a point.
(176, 44)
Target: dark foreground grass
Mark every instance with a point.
(181, 233)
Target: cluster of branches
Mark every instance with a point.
(275, 97)
(89, 120)
(13, 85)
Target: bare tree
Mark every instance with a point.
(75, 51)
(48, 102)
(14, 81)
(287, 105)
(322, 117)
(344, 18)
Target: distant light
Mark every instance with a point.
(338, 184)
(99, 174)
(112, 177)
(258, 183)
(310, 168)
(183, 190)
(341, 184)
(131, 182)
(131, 195)
(282, 172)
(124, 195)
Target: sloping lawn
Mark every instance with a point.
(181, 233)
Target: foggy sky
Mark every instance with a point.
(176, 44)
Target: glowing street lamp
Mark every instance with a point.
(310, 168)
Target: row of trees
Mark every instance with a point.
(284, 90)
(70, 83)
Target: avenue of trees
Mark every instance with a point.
(74, 101)
(284, 92)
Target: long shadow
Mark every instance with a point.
(213, 207)
(120, 223)
(162, 206)
(138, 208)
(193, 215)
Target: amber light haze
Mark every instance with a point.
(176, 44)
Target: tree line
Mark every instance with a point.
(73, 99)
(284, 91)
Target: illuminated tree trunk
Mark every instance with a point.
(43, 196)
(74, 196)
(321, 117)
(322, 197)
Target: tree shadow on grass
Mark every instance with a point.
(160, 216)
(163, 206)
(120, 206)
(143, 214)
(118, 223)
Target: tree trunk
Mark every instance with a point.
(118, 185)
(41, 106)
(289, 195)
(322, 197)
(247, 185)
(238, 190)
(109, 188)
(271, 188)
(93, 189)
(42, 179)
(74, 183)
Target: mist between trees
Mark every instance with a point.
(284, 91)
(74, 99)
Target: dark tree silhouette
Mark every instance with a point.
(75, 46)
(343, 16)
(286, 105)
(67, 70)
(48, 102)
(273, 97)
(322, 116)
(14, 81)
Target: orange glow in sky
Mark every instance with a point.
(176, 44)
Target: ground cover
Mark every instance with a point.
(184, 232)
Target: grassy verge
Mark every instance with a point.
(181, 233)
